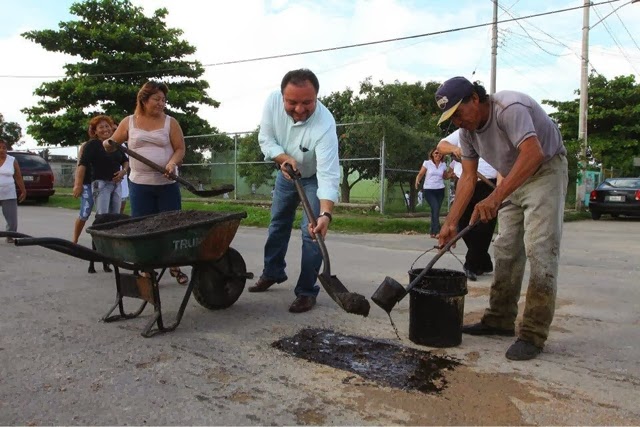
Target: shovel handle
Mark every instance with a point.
(148, 162)
(326, 265)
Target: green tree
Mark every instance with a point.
(613, 123)
(249, 151)
(10, 132)
(404, 113)
(358, 138)
(119, 49)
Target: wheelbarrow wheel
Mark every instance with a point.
(220, 283)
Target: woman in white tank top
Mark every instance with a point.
(155, 135)
(10, 176)
(433, 187)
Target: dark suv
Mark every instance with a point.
(37, 175)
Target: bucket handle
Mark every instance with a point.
(429, 250)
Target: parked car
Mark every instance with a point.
(37, 175)
(616, 196)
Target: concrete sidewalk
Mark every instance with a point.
(60, 365)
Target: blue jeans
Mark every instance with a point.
(86, 202)
(107, 196)
(283, 212)
(434, 198)
(153, 199)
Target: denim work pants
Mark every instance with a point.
(283, 211)
(434, 198)
(153, 199)
(530, 228)
(107, 196)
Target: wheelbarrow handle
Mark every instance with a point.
(72, 249)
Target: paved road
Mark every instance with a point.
(60, 365)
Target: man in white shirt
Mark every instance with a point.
(297, 130)
(477, 260)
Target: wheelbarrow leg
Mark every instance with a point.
(148, 331)
(119, 304)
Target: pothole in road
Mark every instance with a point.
(378, 361)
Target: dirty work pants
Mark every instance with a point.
(530, 228)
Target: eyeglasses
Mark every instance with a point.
(160, 99)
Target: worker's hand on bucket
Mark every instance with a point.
(447, 232)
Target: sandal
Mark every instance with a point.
(181, 278)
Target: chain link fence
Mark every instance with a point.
(235, 158)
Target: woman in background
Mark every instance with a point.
(10, 176)
(433, 188)
(107, 169)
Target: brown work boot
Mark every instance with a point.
(302, 303)
(263, 284)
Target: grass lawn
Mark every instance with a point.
(352, 219)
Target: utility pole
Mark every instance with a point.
(581, 185)
(494, 48)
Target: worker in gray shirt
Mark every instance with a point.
(513, 134)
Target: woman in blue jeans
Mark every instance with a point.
(106, 169)
(158, 137)
(434, 171)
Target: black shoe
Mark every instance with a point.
(302, 303)
(482, 329)
(523, 350)
(470, 275)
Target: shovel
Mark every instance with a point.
(350, 302)
(189, 186)
(390, 292)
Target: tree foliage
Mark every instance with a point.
(249, 151)
(404, 114)
(613, 123)
(10, 132)
(118, 50)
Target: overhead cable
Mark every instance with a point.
(287, 55)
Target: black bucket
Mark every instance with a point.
(436, 307)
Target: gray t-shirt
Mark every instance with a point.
(513, 117)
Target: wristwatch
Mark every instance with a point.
(327, 214)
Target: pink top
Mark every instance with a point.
(155, 145)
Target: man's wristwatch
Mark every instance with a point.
(327, 214)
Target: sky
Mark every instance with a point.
(539, 56)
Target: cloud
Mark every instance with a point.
(227, 31)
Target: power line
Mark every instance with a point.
(606, 27)
(287, 55)
(473, 73)
(529, 35)
(625, 28)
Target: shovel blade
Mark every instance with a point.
(213, 192)
(349, 301)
